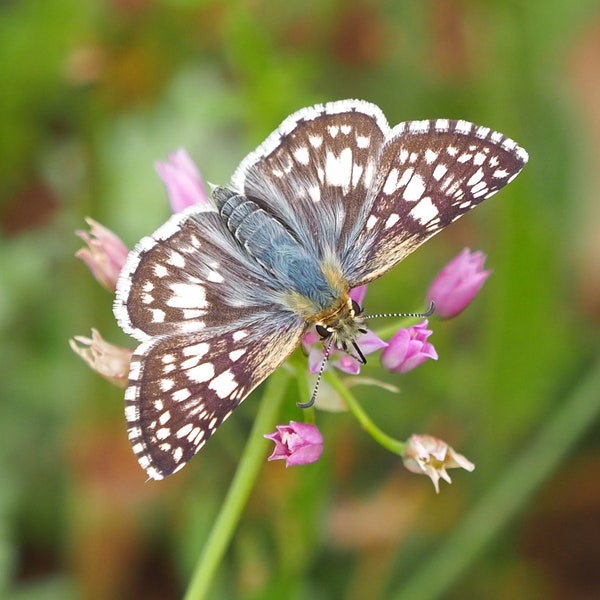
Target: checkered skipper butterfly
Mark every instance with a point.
(220, 295)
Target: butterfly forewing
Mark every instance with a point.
(430, 174)
(189, 275)
(182, 387)
(315, 172)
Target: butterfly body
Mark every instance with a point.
(287, 264)
(220, 295)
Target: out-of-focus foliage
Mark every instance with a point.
(93, 93)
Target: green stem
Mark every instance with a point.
(388, 442)
(240, 488)
(575, 415)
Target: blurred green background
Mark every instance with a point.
(94, 92)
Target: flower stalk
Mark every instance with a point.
(243, 481)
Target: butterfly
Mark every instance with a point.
(222, 293)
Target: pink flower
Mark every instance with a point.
(112, 362)
(105, 253)
(458, 283)
(297, 443)
(183, 181)
(367, 342)
(408, 349)
(428, 455)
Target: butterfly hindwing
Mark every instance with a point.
(182, 387)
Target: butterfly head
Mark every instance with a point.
(342, 323)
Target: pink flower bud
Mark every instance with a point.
(112, 362)
(427, 455)
(458, 283)
(297, 443)
(105, 253)
(183, 181)
(408, 349)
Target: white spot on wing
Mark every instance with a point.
(371, 222)
(160, 271)
(158, 315)
(430, 156)
(439, 171)
(315, 141)
(314, 191)
(476, 177)
(176, 259)
(363, 141)
(201, 373)
(356, 173)
(338, 169)
(463, 126)
(166, 384)
(215, 276)
(479, 158)
(442, 125)
(185, 430)
(196, 350)
(132, 413)
(237, 354)
(181, 395)
(186, 295)
(415, 188)
(391, 183)
(392, 220)
(301, 155)
(224, 384)
(424, 211)
(163, 433)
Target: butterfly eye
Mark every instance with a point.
(323, 332)
(358, 310)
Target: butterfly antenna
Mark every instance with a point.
(422, 315)
(317, 383)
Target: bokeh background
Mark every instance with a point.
(92, 93)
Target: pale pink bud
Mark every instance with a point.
(105, 253)
(185, 186)
(458, 283)
(296, 443)
(108, 360)
(408, 349)
(428, 455)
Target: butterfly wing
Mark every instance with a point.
(189, 275)
(182, 387)
(209, 336)
(315, 172)
(429, 174)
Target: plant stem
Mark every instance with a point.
(240, 488)
(388, 442)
